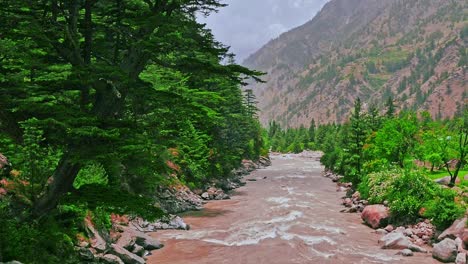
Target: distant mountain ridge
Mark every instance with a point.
(412, 51)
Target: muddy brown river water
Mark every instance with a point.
(290, 214)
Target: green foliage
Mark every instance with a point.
(48, 240)
(98, 198)
(409, 193)
(107, 100)
(93, 173)
(443, 210)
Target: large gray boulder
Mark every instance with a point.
(141, 239)
(445, 251)
(127, 240)
(455, 230)
(111, 259)
(394, 240)
(126, 256)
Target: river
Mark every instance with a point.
(287, 213)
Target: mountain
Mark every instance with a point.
(414, 52)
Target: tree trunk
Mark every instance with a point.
(62, 181)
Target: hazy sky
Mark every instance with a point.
(246, 25)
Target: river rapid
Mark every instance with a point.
(287, 213)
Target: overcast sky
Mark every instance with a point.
(247, 25)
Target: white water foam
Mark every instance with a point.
(278, 200)
(291, 176)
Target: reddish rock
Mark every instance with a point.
(347, 202)
(389, 228)
(120, 219)
(464, 237)
(375, 215)
(356, 196)
(455, 230)
(97, 241)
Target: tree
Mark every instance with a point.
(395, 141)
(390, 107)
(311, 132)
(356, 141)
(459, 149)
(79, 68)
(250, 103)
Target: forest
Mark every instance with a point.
(103, 102)
(393, 157)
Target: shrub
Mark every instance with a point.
(443, 209)
(407, 193)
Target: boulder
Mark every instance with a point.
(464, 237)
(455, 230)
(177, 199)
(166, 222)
(461, 258)
(360, 207)
(375, 215)
(178, 223)
(85, 253)
(445, 251)
(126, 240)
(111, 259)
(400, 229)
(416, 248)
(389, 228)
(126, 256)
(381, 231)
(97, 241)
(406, 253)
(141, 239)
(408, 232)
(394, 240)
(459, 244)
(356, 196)
(446, 180)
(249, 165)
(264, 161)
(148, 242)
(347, 202)
(139, 250)
(205, 196)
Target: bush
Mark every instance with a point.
(409, 194)
(45, 241)
(375, 186)
(443, 210)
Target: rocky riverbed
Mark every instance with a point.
(287, 213)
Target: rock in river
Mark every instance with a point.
(445, 251)
(375, 215)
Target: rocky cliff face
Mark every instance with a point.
(413, 51)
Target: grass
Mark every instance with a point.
(443, 173)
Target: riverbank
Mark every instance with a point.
(448, 246)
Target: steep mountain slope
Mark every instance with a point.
(412, 51)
